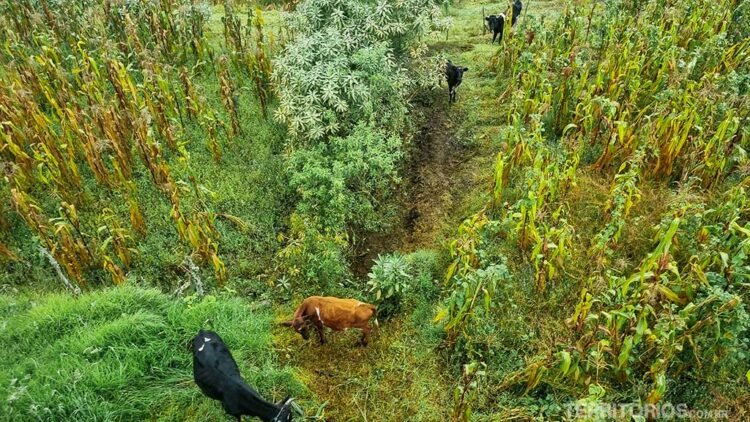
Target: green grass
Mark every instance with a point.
(398, 376)
(121, 354)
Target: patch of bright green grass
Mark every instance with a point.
(121, 354)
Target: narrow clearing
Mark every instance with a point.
(400, 376)
(370, 384)
(431, 186)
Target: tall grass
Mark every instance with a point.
(121, 354)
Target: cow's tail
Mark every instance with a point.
(375, 314)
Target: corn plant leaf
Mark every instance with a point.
(640, 328)
(669, 294)
(627, 345)
(564, 362)
(442, 313)
(451, 271)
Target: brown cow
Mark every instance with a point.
(334, 313)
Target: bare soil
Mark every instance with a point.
(432, 186)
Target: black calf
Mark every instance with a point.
(455, 75)
(517, 6)
(496, 23)
(218, 376)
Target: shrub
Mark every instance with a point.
(349, 64)
(314, 258)
(391, 279)
(325, 88)
(348, 181)
(399, 281)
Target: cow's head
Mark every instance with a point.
(300, 325)
(285, 412)
(460, 70)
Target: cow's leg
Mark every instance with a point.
(494, 35)
(365, 335)
(319, 328)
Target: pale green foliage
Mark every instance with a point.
(349, 64)
(347, 180)
(324, 89)
(391, 278)
(401, 23)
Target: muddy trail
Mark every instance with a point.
(402, 375)
(432, 184)
(398, 376)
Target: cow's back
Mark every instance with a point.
(451, 73)
(212, 364)
(338, 313)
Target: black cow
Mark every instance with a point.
(517, 6)
(218, 376)
(496, 23)
(455, 75)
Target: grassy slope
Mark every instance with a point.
(120, 354)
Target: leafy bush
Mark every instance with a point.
(391, 279)
(401, 24)
(348, 181)
(325, 88)
(399, 280)
(348, 65)
(315, 258)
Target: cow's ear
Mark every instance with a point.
(286, 323)
(466, 69)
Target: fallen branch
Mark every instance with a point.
(73, 288)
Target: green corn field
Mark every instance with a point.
(570, 240)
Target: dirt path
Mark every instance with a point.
(400, 376)
(431, 188)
